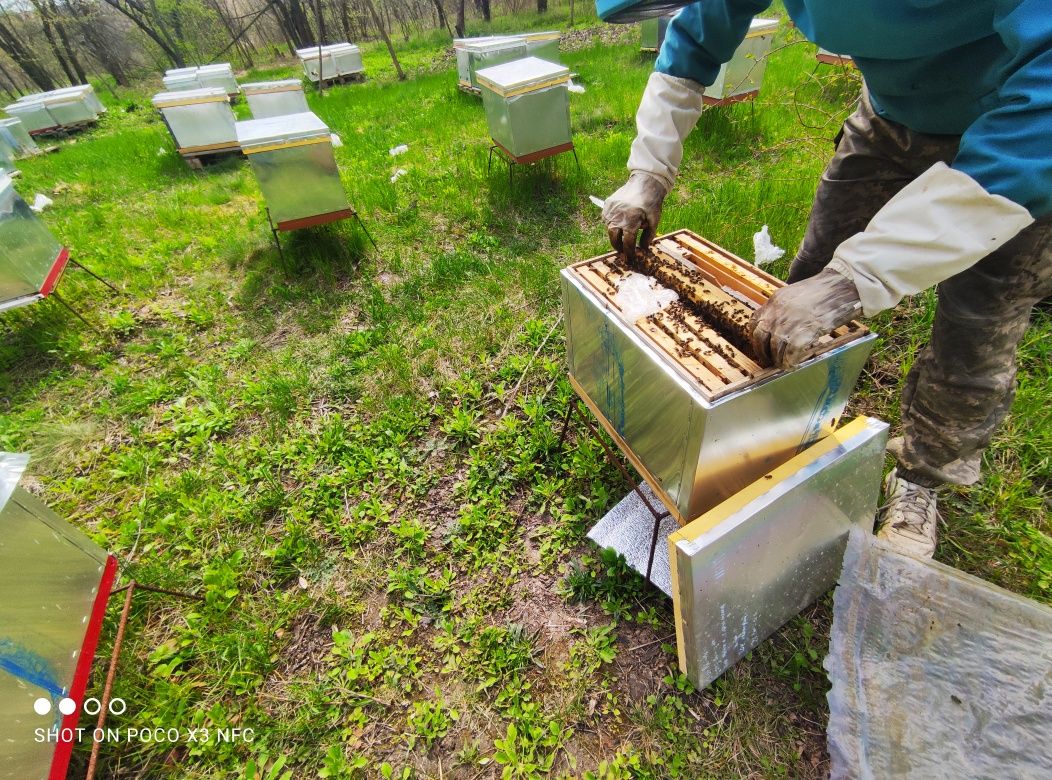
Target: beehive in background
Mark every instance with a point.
(543, 45)
(67, 107)
(16, 138)
(652, 32)
(293, 160)
(219, 75)
(275, 98)
(527, 107)
(336, 60)
(460, 50)
(827, 57)
(494, 51)
(33, 113)
(199, 120)
(741, 78)
(31, 259)
(679, 389)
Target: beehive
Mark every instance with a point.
(200, 120)
(680, 390)
(293, 161)
(527, 107)
(14, 135)
(335, 60)
(31, 259)
(33, 113)
(275, 98)
(485, 53)
(742, 77)
(652, 32)
(543, 45)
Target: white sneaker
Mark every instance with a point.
(910, 519)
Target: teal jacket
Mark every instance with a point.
(981, 69)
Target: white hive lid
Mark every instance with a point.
(285, 85)
(11, 464)
(181, 71)
(343, 47)
(760, 26)
(522, 74)
(496, 43)
(278, 131)
(462, 43)
(546, 35)
(188, 97)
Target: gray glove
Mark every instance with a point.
(633, 208)
(795, 317)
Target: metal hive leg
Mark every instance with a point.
(91, 273)
(366, 231)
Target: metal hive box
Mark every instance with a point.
(55, 582)
(740, 79)
(695, 414)
(652, 32)
(199, 119)
(220, 75)
(337, 59)
(498, 50)
(543, 45)
(310, 59)
(293, 161)
(31, 259)
(13, 133)
(460, 49)
(69, 108)
(275, 98)
(33, 113)
(527, 105)
(87, 92)
(181, 79)
(347, 58)
(743, 569)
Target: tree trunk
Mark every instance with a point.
(460, 18)
(482, 6)
(71, 52)
(542, 6)
(47, 23)
(387, 39)
(442, 20)
(94, 36)
(23, 55)
(139, 15)
(235, 37)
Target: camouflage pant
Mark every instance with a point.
(961, 385)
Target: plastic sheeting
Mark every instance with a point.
(640, 296)
(935, 673)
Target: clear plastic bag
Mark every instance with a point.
(935, 673)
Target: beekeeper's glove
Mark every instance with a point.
(667, 113)
(635, 208)
(794, 318)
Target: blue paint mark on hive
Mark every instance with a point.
(612, 381)
(28, 666)
(834, 381)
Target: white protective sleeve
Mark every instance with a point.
(667, 113)
(938, 225)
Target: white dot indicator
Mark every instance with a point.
(67, 706)
(42, 706)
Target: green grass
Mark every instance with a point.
(388, 541)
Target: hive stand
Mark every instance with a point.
(658, 516)
(343, 78)
(319, 219)
(527, 159)
(47, 289)
(200, 156)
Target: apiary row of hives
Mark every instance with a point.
(59, 109)
(331, 61)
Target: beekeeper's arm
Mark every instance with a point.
(947, 219)
(699, 39)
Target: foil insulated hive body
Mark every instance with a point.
(543, 45)
(337, 59)
(199, 119)
(275, 98)
(652, 32)
(741, 78)
(31, 259)
(527, 106)
(460, 49)
(13, 133)
(293, 160)
(33, 113)
(483, 53)
(55, 583)
(679, 391)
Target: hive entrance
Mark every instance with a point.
(706, 332)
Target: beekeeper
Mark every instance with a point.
(942, 176)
